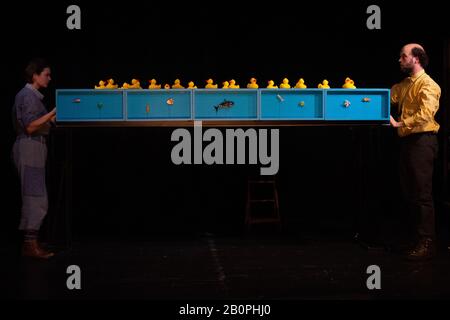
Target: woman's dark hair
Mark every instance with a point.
(421, 55)
(35, 66)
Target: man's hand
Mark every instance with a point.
(52, 115)
(396, 124)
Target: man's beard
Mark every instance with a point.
(406, 69)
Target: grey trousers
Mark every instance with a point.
(30, 157)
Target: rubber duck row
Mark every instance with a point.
(135, 84)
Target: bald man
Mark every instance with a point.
(417, 100)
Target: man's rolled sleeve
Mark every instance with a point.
(28, 111)
(394, 94)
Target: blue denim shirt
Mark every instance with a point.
(28, 106)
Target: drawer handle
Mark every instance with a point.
(147, 108)
(100, 105)
(366, 99)
(76, 100)
(347, 103)
(280, 98)
(170, 101)
(301, 104)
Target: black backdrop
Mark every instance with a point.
(124, 181)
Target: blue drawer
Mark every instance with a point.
(291, 104)
(357, 104)
(158, 104)
(226, 104)
(89, 105)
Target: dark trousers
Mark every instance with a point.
(417, 155)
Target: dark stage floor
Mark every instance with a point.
(261, 266)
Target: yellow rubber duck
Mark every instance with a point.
(324, 85)
(349, 84)
(101, 85)
(191, 85)
(285, 84)
(252, 84)
(300, 84)
(135, 84)
(153, 84)
(210, 85)
(225, 85)
(167, 86)
(177, 84)
(111, 84)
(271, 85)
(125, 86)
(233, 84)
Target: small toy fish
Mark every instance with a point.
(170, 101)
(226, 104)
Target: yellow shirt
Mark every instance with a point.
(417, 98)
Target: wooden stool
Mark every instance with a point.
(264, 192)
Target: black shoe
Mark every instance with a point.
(402, 248)
(32, 248)
(424, 250)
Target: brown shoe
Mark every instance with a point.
(424, 250)
(31, 248)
